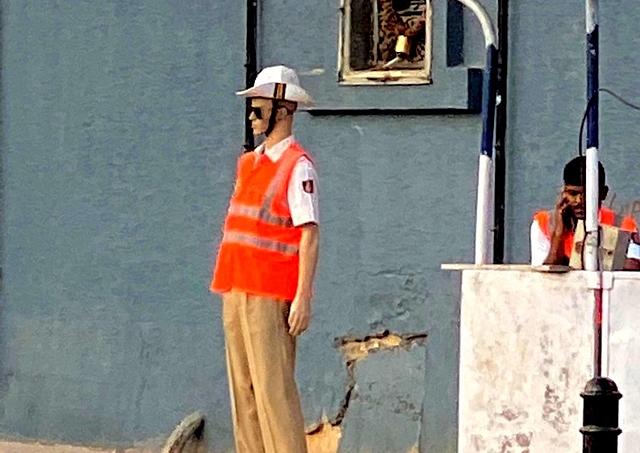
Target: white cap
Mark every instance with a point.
(278, 82)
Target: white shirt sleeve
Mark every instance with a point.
(540, 245)
(302, 193)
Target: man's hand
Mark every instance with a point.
(561, 208)
(556, 253)
(300, 314)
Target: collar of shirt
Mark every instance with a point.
(276, 150)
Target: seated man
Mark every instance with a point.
(552, 231)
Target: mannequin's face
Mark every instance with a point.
(260, 115)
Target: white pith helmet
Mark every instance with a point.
(278, 82)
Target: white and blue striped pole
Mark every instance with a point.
(592, 183)
(600, 408)
(484, 228)
(592, 239)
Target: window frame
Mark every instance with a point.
(392, 76)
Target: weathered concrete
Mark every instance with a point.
(527, 353)
(624, 355)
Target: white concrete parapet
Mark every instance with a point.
(526, 353)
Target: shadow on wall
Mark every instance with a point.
(632, 208)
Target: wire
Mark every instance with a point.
(620, 98)
(584, 118)
(586, 112)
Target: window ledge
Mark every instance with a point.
(390, 77)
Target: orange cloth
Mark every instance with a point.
(607, 217)
(259, 250)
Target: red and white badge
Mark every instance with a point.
(307, 185)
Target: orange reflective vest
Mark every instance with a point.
(258, 254)
(607, 217)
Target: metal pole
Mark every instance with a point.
(600, 429)
(484, 209)
(251, 66)
(601, 397)
(592, 184)
(592, 7)
(501, 131)
(484, 229)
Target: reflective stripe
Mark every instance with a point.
(240, 209)
(262, 214)
(275, 182)
(239, 238)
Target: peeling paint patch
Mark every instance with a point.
(552, 410)
(524, 440)
(509, 415)
(478, 442)
(385, 409)
(506, 446)
(512, 414)
(354, 348)
(518, 443)
(325, 438)
(327, 435)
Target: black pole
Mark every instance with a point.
(251, 66)
(601, 397)
(600, 429)
(501, 132)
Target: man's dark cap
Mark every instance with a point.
(576, 169)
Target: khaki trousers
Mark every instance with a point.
(265, 405)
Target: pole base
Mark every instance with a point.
(600, 429)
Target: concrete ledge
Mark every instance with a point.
(325, 440)
(33, 447)
(504, 267)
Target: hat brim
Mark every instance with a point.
(293, 93)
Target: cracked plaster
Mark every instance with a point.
(386, 389)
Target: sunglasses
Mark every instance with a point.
(257, 111)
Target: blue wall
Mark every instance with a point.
(120, 132)
(547, 100)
